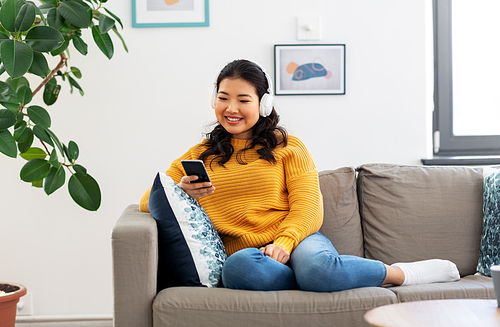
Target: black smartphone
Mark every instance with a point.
(196, 167)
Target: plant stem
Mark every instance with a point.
(52, 73)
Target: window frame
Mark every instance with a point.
(445, 143)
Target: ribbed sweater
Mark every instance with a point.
(258, 203)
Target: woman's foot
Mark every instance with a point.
(427, 272)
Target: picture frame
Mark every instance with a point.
(309, 69)
(170, 13)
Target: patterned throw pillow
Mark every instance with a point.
(489, 251)
(190, 252)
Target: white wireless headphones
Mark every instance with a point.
(267, 100)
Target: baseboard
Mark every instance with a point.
(65, 321)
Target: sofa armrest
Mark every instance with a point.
(134, 242)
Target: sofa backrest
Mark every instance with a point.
(411, 213)
(342, 223)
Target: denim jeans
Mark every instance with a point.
(314, 266)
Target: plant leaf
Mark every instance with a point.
(44, 38)
(42, 134)
(114, 16)
(50, 93)
(26, 145)
(7, 92)
(25, 18)
(24, 94)
(80, 45)
(76, 72)
(85, 191)
(54, 180)
(105, 23)
(39, 66)
(16, 57)
(16, 83)
(80, 169)
(54, 18)
(56, 141)
(121, 38)
(7, 144)
(39, 116)
(35, 170)
(54, 160)
(73, 150)
(8, 14)
(75, 13)
(72, 82)
(7, 119)
(21, 132)
(103, 41)
(33, 153)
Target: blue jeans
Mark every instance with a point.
(314, 266)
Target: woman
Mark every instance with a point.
(266, 204)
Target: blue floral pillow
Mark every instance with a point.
(489, 250)
(190, 251)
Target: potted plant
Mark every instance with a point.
(30, 34)
(9, 296)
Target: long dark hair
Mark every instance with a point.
(265, 132)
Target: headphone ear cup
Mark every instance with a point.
(214, 96)
(266, 105)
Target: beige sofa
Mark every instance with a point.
(392, 213)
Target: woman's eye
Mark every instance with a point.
(244, 101)
(222, 99)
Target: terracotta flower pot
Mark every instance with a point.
(8, 304)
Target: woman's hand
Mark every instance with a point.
(195, 190)
(276, 252)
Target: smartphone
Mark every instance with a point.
(196, 167)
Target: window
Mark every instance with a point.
(466, 119)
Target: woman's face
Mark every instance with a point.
(237, 107)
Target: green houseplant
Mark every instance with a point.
(29, 34)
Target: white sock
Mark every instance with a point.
(429, 271)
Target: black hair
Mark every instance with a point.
(265, 132)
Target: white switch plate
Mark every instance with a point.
(25, 305)
(308, 28)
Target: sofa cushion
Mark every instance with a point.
(412, 213)
(489, 251)
(469, 287)
(190, 252)
(342, 223)
(184, 306)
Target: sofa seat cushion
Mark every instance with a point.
(188, 306)
(412, 213)
(469, 287)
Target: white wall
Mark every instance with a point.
(143, 109)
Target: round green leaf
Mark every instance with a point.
(103, 41)
(62, 48)
(24, 94)
(54, 18)
(42, 134)
(39, 116)
(21, 132)
(7, 92)
(56, 141)
(80, 169)
(7, 144)
(33, 153)
(8, 14)
(76, 72)
(16, 57)
(25, 18)
(50, 93)
(44, 38)
(7, 119)
(54, 180)
(85, 191)
(73, 150)
(26, 145)
(17, 82)
(75, 13)
(80, 45)
(35, 170)
(39, 67)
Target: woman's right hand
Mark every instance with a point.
(195, 190)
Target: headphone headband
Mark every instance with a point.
(267, 100)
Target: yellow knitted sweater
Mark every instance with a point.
(259, 202)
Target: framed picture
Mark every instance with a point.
(309, 69)
(170, 13)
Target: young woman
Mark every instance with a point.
(266, 204)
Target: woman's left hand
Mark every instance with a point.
(276, 252)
